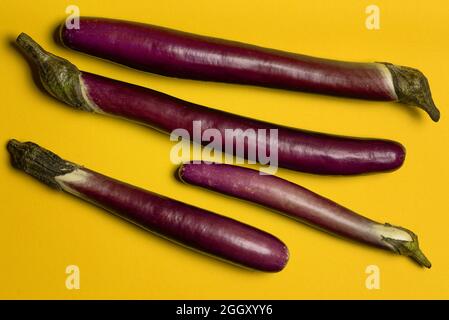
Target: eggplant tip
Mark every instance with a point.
(21, 36)
(278, 261)
(421, 259)
(180, 172)
(286, 258)
(427, 104)
(14, 148)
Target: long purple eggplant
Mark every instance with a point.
(302, 204)
(185, 55)
(194, 227)
(297, 149)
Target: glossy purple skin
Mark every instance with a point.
(297, 149)
(185, 55)
(197, 228)
(283, 196)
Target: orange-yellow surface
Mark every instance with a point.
(43, 231)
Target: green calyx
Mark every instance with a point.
(38, 162)
(412, 88)
(407, 248)
(59, 77)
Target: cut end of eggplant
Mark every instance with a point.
(407, 247)
(59, 77)
(38, 162)
(412, 88)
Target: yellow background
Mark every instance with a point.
(43, 231)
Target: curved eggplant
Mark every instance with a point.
(185, 55)
(301, 204)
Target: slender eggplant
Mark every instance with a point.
(179, 54)
(297, 149)
(301, 204)
(194, 227)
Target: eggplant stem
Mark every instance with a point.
(32, 49)
(38, 162)
(59, 77)
(412, 88)
(408, 248)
